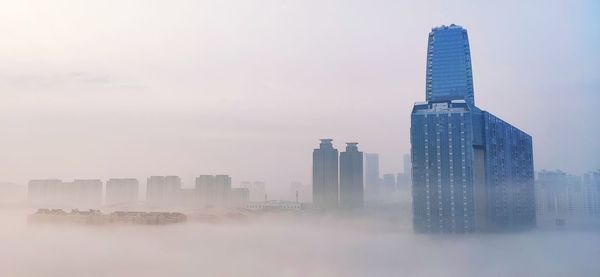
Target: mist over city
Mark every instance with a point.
(299, 138)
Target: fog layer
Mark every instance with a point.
(307, 246)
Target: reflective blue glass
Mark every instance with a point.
(449, 73)
(471, 171)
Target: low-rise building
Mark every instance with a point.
(274, 205)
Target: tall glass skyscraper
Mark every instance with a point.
(471, 171)
(449, 74)
(325, 175)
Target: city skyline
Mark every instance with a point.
(186, 103)
(156, 138)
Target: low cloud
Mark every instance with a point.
(284, 246)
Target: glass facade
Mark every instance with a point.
(449, 75)
(443, 164)
(509, 175)
(471, 171)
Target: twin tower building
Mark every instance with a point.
(333, 188)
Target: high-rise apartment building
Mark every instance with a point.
(46, 193)
(78, 194)
(121, 191)
(388, 182)
(471, 171)
(564, 199)
(223, 183)
(552, 196)
(325, 175)
(87, 193)
(351, 177)
(591, 185)
(206, 189)
(213, 189)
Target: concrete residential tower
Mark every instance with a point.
(325, 175)
(351, 177)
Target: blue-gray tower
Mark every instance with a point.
(471, 171)
(449, 74)
(325, 175)
(351, 177)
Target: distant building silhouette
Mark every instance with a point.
(566, 200)
(81, 193)
(300, 192)
(46, 192)
(351, 177)
(163, 190)
(240, 196)
(388, 181)
(87, 193)
(257, 190)
(471, 171)
(388, 186)
(325, 175)
(372, 178)
(213, 189)
(403, 180)
(206, 189)
(121, 190)
(591, 184)
(223, 183)
(407, 164)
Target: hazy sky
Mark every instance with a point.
(98, 89)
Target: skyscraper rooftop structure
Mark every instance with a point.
(471, 171)
(449, 72)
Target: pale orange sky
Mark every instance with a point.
(99, 89)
